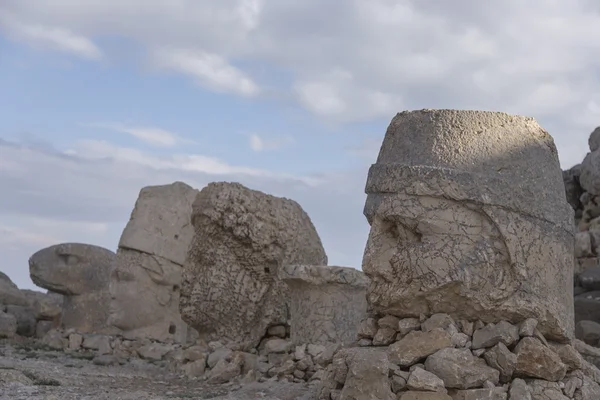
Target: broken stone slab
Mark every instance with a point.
(453, 227)
(417, 345)
(327, 303)
(534, 360)
(81, 273)
(231, 288)
(160, 223)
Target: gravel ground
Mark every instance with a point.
(28, 373)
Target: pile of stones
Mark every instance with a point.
(439, 358)
(26, 313)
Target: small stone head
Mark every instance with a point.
(72, 268)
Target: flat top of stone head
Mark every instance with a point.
(324, 274)
(72, 268)
(476, 141)
(487, 157)
(160, 222)
(259, 219)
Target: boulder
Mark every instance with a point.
(10, 293)
(231, 288)
(460, 369)
(327, 303)
(81, 273)
(453, 226)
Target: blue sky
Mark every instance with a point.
(291, 97)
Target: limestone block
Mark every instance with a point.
(80, 272)
(160, 222)
(327, 303)
(231, 290)
(468, 217)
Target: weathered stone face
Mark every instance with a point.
(326, 303)
(231, 288)
(468, 217)
(146, 282)
(80, 272)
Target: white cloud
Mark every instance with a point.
(209, 70)
(49, 37)
(154, 136)
(258, 143)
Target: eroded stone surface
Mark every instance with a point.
(145, 286)
(231, 289)
(453, 226)
(327, 303)
(81, 273)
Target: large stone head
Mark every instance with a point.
(242, 238)
(72, 268)
(468, 217)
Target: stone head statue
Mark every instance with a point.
(81, 273)
(146, 281)
(468, 217)
(231, 288)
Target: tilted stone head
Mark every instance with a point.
(80, 272)
(231, 288)
(468, 217)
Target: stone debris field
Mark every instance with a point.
(480, 281)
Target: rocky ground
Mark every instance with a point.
(28, 372)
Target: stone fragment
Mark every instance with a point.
(8, 325)
(384, 336)
(568, 355)
(10, 293)
(466, 327)
(327, 303)
(589, 390)
(53, 339)
(26, 322)
(583, 245)
(389, 321)
(459, 369)
(218, 355)
(398, 383)
(452, 233)
(501, 358)
(588, 331)
(367, 328)
(75, 341)
(542, 390)
(519, 390)
(275, 345)
(420, 379)
(460, 339)
(573, 189)
(417, 345)
(243, 232)
(225, 370)
(534, 360)
(408, 325)
(43, 327)
(590, 178)
(492, 334)
(439, 320)
(480, 394)
(587, 306)
(195, 353)
(528, 327)
(153, 351)
(367, 374)
(81, 273)
(590, 279)
(417, 395)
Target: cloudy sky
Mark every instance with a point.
(102, 97)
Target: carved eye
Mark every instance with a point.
(69, 259)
